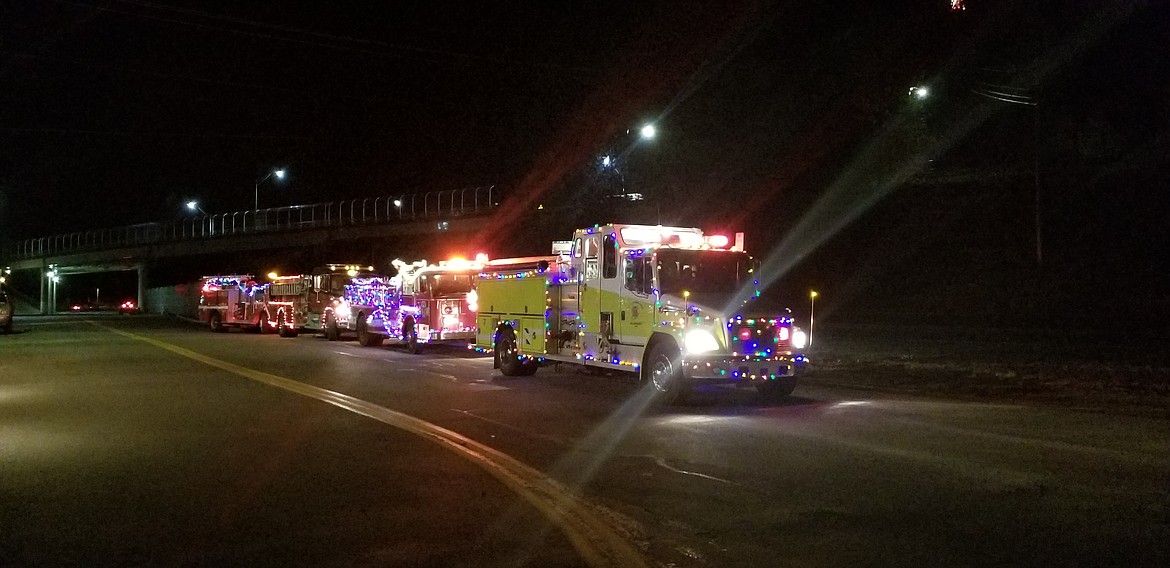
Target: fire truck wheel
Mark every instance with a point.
(331, 331)
(365, 338)
(214, 322)
(282, 327)
(410, 337)
(265, 324)
(509, 357)
(528, 368)
(663, 374)
(776, 390)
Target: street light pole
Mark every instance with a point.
(52, 277)
(812, 309)
(613, 160)
(194, 206)
(1024, 97)
(1036, 181)
(256, 190)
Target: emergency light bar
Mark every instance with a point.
(641, 236)
(637, 236)
(214, 283)
(349, 267)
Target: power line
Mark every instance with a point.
(180, 77)
(335, 42)
(18, 130)
(1005, 97)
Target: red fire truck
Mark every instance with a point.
(235, 301)
(441, 296)
(337, 299)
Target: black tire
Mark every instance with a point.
(7, 327)
(282, 327)
(529, 367)
(410, 337)
(265, 324)
(332, 333)
(777, 389)
(662, 372)
(215, 322)
(508, 354)
(365, 338)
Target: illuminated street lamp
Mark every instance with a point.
(920, 91)
(812, 308)
(194, 206)
(49, 290)
(612, 163)
(256, 196)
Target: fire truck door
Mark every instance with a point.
(634, 321)
(611, 290)
(259, 302)
(589, 283)
(235, 305)
(600, 295)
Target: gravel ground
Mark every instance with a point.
(1128, 375)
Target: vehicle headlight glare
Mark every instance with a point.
(799, 338)
(700, 341)
(342, 309)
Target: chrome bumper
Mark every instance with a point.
(738, 369)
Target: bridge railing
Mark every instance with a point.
(372, 210)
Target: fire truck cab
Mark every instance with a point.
(441, 297)
(342, 298)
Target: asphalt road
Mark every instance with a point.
(149, 441)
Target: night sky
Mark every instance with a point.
(791, 121)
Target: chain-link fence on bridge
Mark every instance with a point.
(373, 210)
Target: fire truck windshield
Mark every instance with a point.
(701, 271)
(447, 284)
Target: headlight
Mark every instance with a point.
(342, 309)
(799, 338)
(700, 341)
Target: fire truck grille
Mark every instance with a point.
(760, 338)
(449, 307)
(450, 315)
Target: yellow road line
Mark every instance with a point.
(595, 540)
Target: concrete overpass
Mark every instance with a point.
(429, 215)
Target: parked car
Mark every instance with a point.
(6, 309)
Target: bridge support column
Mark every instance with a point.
(141, 268)
(48, 288)
(44, 288)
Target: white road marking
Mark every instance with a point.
(528, 433)
(662, 463)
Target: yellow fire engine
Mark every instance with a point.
(669, 303)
